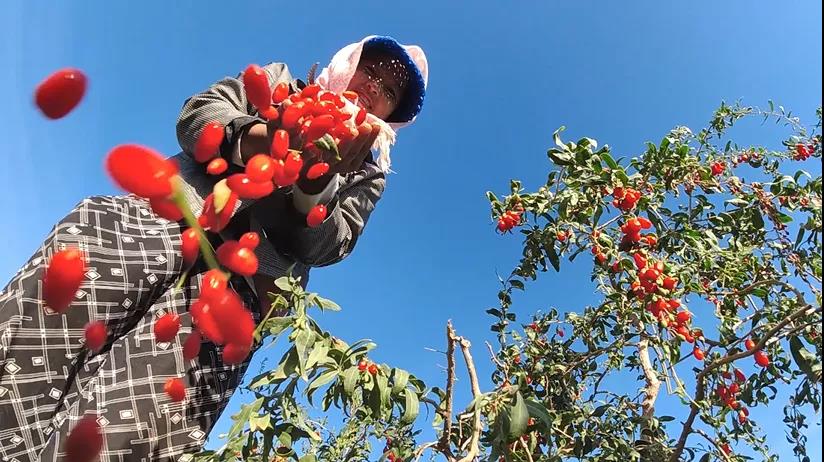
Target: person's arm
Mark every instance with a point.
(225, 102)
(347, 214)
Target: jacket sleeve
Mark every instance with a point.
(224, 102)
(335, 238)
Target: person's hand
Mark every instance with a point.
(352, 155)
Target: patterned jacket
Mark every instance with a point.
(285, 238)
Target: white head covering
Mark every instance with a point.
(337, 75)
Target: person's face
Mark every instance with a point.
(379, 81)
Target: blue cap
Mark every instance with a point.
(412, 101)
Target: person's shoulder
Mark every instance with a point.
(278, 71)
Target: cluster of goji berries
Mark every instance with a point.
(803, 152)
(727, 393)
(625, 198)
(509, 220)
(367, 366)
(718, 167)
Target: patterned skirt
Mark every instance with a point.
(49, 379)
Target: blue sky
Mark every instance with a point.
(503, 77)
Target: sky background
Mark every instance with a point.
(503, 77)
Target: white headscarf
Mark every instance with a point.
(337, 75)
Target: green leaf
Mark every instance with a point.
(600, 410)
(553, 257)
(706, 457)
(320, 381)
(411, 407)
(539, 411)
(350, 380)
(609, 160)
(806, 360)
(277, 325)
(283, 284)
(519, 417)
(243, 416)
(318, 355)
(308, 458)
(261, 422)
(326, 304)
(399, 380)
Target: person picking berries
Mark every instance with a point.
(109, 357)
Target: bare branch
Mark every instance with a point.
(443, 443)
(474, 449)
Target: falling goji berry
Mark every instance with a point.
(175, 389)
(85, 441)
(60, 92)
(190, 246)
(95, 334)
(217, 166)
(238, 259)
(141, 171)
(166, 327)
(234, 353)
(280, 93)
(64, 274)
(259, 168)
(250, 240)
(246, 188)
(165, 208)
(209, 141)
(191, 346)
(317, 170)
(316, 216)
(280, 144)
(256, 84)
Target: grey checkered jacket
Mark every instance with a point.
(286, 240)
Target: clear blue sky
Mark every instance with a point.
(503, 76)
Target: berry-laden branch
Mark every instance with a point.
(700, 387)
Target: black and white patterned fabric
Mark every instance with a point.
(49, 380)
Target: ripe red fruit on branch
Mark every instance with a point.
(208, 143)
(256, 84)
(718, 168)
(60, 92)
(698, 353)
(669, 283)
(316, 171)
(175, 389)
(217, 166)
(191, 347)
(190, 247)
(640, 261)
(64, 274)
(801, 152)
(260, 168)
(280, 144)
(749, 344)
(316, 216)
(373, 369)
(739, 376)
(95, 335)
(85, 441)
(761, 358)
(683, 317)
(141, 171)
(166, 327)
(246, 188)
(362, 365)
(165, 208)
